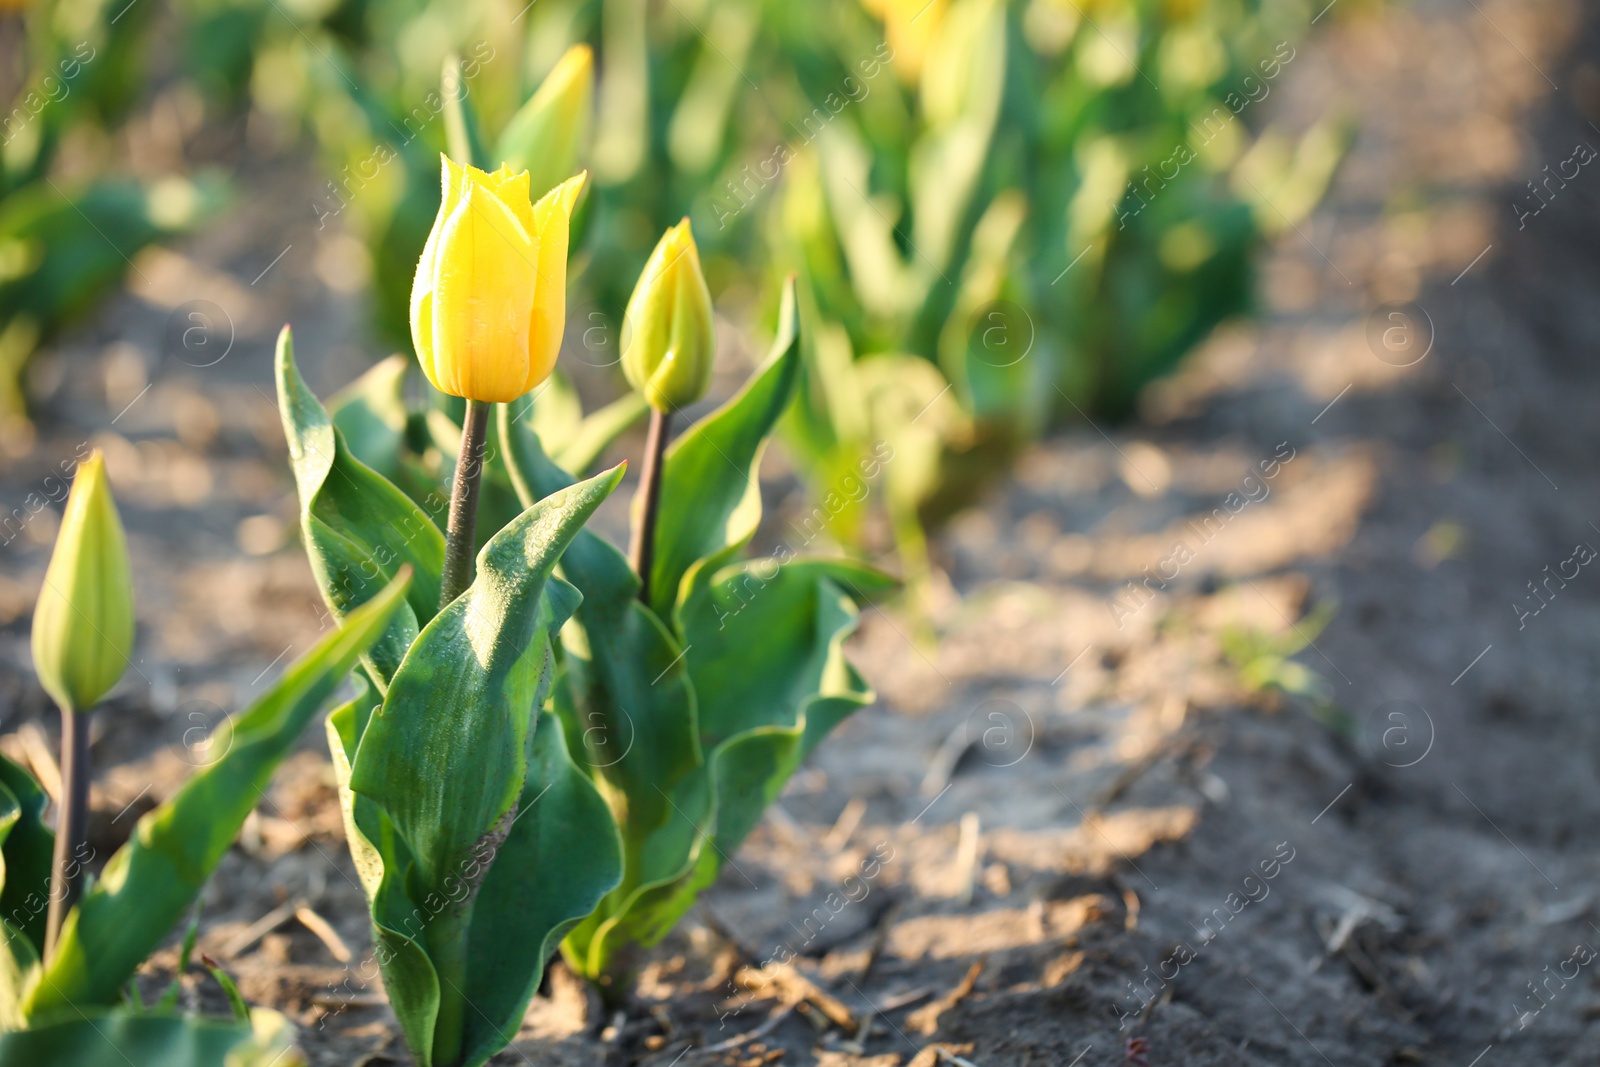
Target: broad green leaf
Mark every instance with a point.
(711, 498)
(25, 874)
(663, 871)
(559, 859)
(445, 753)
(359, 529)
(19, 963)
(28, 845)
(445, 762)
(118, 1039)
(150, 881)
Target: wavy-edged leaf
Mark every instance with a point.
(359, 528)
(114, 1039)
(150, 881)
(632, 713)
(709, 481)
(767, 637)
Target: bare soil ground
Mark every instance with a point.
(1088, 826)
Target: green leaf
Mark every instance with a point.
(359, 529)
(116, 1039)
(560, 858)
(445, 762)
(371, 414)
(150, 881)
(632, 715)
(779, 654)
(709, 488)
(596, 433)
(382, 863)
(444, 755)
(25, 864)
(767, 637)
(768, 660)
(27, 854)
(462, 132)
(624, 699)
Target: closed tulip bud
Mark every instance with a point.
(489, 302)
(83, 622)
(668, 337)
(548, 132)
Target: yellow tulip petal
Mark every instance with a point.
(552, 217)
(484, 286)
(512, 190)
(422, 283)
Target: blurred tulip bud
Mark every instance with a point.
(547, 133)
(83, 622)
(669, 338)
(489, 301)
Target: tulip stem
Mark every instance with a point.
(643, 550)
(461, 534)
(66, 875)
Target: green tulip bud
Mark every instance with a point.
(83, 622)
(669, 337)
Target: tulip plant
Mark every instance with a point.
(72, 945)
(557, 746)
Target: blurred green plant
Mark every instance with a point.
(1053, 205)
(1267, 668)
(70, 222)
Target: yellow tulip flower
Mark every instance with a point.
(669, 337)
(489, 302)
(83, 622)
